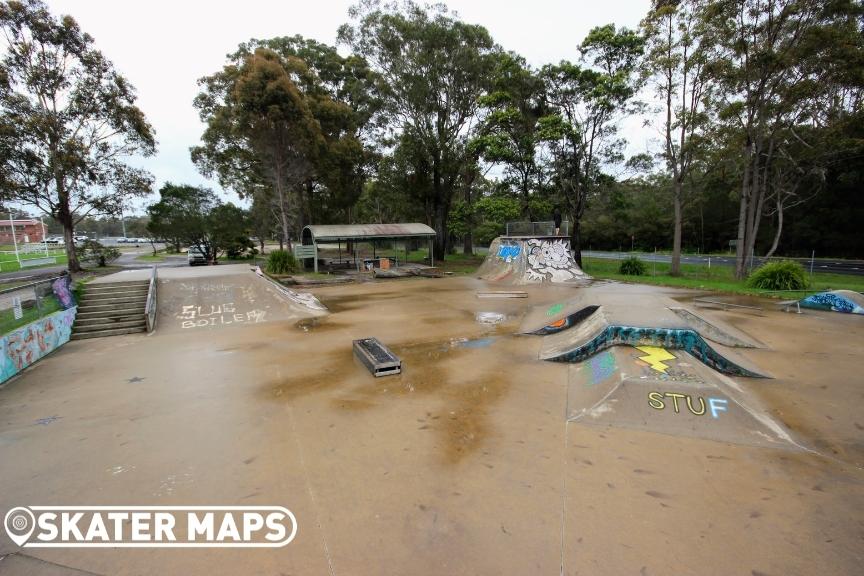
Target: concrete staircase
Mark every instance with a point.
(111, 309)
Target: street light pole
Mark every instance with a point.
(14, 239)
(44, 236)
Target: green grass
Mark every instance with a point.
(8, 262)
(7, 317)
(151, 258)
(718, 278)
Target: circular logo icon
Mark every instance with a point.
(19, 523)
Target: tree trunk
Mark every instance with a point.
(307, 204)
(468, 239)
(64, 215)
(283, 220)
(676, 240)
(776, 242)
(440, 227)
(440, 209)
(72, 258)
(740, 264)
(576, 240)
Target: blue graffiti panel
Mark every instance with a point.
(674, 338)
(831, 301)
(508, 252)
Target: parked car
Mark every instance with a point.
(196, 256)
(55, 240)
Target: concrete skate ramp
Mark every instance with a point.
(633, 310)
(522, 260)
(227, 296)
(667, 392)
(836, 300)
(636, 321)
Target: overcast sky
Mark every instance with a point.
(163, 47)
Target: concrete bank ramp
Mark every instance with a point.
(523, 260)
(224, 296)
(643, 310)
(668, 392)
(845, 301)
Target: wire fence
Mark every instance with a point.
(29, 302)
(723, 265)
(30, 255)
(537, 228)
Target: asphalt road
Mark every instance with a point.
(127, 259)
(852, 267)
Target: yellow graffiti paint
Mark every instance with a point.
(655, 357)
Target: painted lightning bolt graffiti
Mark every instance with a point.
(655, 357)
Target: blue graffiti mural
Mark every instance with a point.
(24, 346)
(831, 301)
(508, 252)
(566, 322)
(674, 338)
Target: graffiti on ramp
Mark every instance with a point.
(515, 260)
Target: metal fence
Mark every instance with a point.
(537, 228)
(720, 266)
(28, 255)
(23, 304)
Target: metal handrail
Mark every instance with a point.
(150, 309)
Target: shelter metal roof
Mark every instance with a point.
(323, 232)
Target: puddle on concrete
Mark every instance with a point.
(344, 303)
(475, 343)
(318, 324)
(462, 419)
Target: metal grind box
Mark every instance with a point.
(376, 357)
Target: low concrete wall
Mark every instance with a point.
(26, 345)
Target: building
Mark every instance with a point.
(26, 231)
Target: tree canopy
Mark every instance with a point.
(68, 121)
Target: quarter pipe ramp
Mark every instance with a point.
(525, 260)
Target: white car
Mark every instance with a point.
(55, 240)
(196, 256)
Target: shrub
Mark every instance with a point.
(281, 262)
(632, 266)
(784, 275)
(93, 251)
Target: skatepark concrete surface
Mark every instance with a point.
(480, 458)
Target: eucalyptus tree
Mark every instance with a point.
(770, 67)
(68, 121)
(287, 121)
(676, 62)
(344, 96)
(260, 128)
(586, 100)
(434, 69)
(508, 134)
